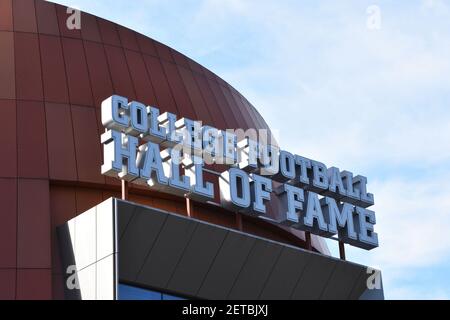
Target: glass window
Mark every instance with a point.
(134, 293)
(170, 297)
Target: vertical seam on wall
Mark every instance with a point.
(189, 96)
(43, 96)
(182, 253)
(99, 133)
(212, 263)
(361, 275)
(60, 38)
(233, 107)
(126, 61)
(151, 247)
(328, 280)
(244, 117)
(204, 100)
(17, 154)
(300, 277)
(146, 69)
(184, 85)
(218, 104)
(271, 272)
(46, 144)
(232, 111)
(241, 268)
(160, 61)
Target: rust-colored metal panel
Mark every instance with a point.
(209, 74)
(28, 66)
(179, 58)
(34, 284)
(31, 140)
(195, 95)
(63, 205)
(6, 15)
(101, 83)
(179, 91)
(77, 73)
(222, 103)
(24, 16)
(47, 21)
(211, 103)
(256, 123)
(8, 140)
(148, 201)
(33, 230)
(128, 38)
(164, 204)
(108, 32)
(89, 28)
(87, 145)
(159, 82)
(63, 18)
(8, 284)
(87, 198)
(146, 45)
(61, 148)
(58, 285)
(250, 122)
(195, 66)
(141, 81)
(163, 51)
(7, 72)
(119, 72)
(62, 209)
(234, 108)
(53, 70)
(8, 225)
(111, 194)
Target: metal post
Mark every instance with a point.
(124, 190)
(189, 207)
(308, 240)
(342, 250)
(239, 225)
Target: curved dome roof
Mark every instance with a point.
(52, 83)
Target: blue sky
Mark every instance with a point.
(375, 102)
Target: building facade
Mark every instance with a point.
(52, 82)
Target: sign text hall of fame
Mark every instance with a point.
(145, 147)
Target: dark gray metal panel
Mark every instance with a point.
(167, 252)
(342, 281)
(359, 286)
(226, 266)
(126, 210)
(255, 271)
(285, 275)
(137, 240)
(164, 251)
(197, 259)
(314, 278)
